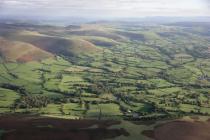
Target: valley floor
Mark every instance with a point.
(104, 72)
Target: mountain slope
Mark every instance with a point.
(56, 45)
(21, 52)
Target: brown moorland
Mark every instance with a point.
(42, 128)
(21, 52)
(180, 130)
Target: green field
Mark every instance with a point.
(110, 72)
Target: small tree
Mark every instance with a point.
(100, 114)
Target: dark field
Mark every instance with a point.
(37, 128)
(181, 130)
(44, 128)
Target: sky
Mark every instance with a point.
(104, 8)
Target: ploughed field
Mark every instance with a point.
(105, 71)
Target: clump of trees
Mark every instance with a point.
(31, 101)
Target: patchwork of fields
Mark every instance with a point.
(105, 72)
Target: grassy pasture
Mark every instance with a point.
(7, 97)
(112, 69)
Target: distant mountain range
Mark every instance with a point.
(64, 21)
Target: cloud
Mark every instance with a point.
(118, 8)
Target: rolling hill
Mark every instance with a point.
(21, 51)
(52, 44)
(61, 46)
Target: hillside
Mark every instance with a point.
(21, 52)
(61, 46)
(52, 44)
